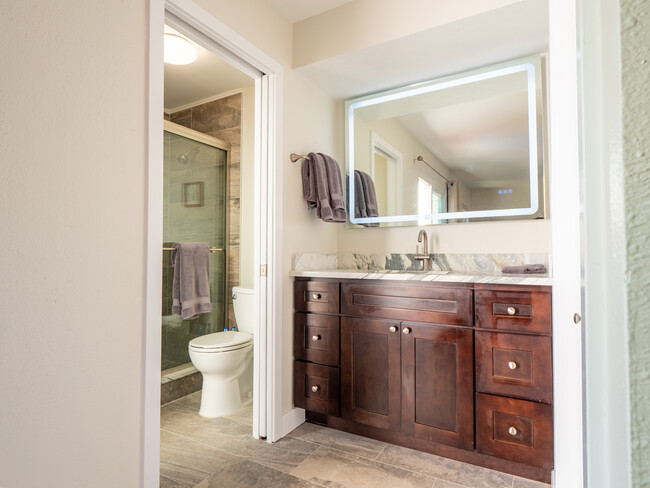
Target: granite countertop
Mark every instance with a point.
(455, 277)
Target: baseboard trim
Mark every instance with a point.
(292, 419)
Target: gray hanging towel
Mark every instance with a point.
(191, 285)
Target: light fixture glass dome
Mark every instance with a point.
(178, 50)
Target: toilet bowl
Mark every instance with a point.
(225, 360)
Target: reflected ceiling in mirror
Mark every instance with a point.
(461, 148)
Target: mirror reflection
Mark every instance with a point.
(450, 150)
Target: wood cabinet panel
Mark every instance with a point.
(434, 303)
(370, 372)
(520, 310)
(316, 338)
(518, 430)
(437, 384)
(316, 296)
(514, 365)
(316, 388)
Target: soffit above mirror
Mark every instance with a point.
(490, 37)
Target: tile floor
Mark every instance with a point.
(211, 453)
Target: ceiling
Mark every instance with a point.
(209, 76)
(297, 10)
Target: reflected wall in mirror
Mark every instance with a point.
(463, 148)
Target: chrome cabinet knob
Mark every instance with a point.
(511, 310)
(512, 365)
(315, 337)
(406, 330)
(393, 328)
(315, 388)
(317, 296)
(513, 431)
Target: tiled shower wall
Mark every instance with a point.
(222, 119)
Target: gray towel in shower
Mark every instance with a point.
(191, 285)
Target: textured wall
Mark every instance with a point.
(635, 57)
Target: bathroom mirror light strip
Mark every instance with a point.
(212, 249)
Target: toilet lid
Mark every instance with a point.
(222, 341)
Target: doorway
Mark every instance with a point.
(200, 27)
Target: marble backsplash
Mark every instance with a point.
(455, 263)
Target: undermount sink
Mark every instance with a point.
(411, 271)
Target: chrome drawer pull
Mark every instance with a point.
(511, 310)
(317, 296)
(512, 365)
(315, 338)
(315, 388)
(513, 431)
(406, 330)
(393, 328)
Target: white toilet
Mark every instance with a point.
(225, 359)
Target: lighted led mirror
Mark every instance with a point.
(462, 148)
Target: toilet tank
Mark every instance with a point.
(243, 301)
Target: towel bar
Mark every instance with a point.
(296, 157)
(212, 249)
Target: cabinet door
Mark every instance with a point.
(438, 384)
(370, 372)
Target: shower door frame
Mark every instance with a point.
(200, 137)
(198, 24)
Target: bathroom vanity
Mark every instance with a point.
(461, 370)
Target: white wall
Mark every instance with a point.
(72, 213)
(363, 23)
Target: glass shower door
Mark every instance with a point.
(194, 210)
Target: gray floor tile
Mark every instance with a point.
(332, 468)
(343, 441)
(463, 474)
(235, 438)
(246, 473)
(169, 483)
(179, 451)
(524, 483)
(181, 475)
(191, 402)
(245, 415)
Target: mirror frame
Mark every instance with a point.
(532, 66)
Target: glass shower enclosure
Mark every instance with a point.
(195, 199)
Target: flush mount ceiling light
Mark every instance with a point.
(178, 50)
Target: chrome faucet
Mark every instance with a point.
(425, 257)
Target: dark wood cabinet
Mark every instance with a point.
(456, 369)
(370, 372)
(437, 384)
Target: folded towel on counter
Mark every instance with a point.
(525, 269)
(322, 187)
(191, 284)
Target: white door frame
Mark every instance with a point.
(566, 197)
(216, 36)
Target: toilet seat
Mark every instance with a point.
(221, 341)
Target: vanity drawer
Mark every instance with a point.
(525, 310)
(316, 296)
(517, 430)
(316, 388)
(429, 302)
(316, 338)
(516, 365)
